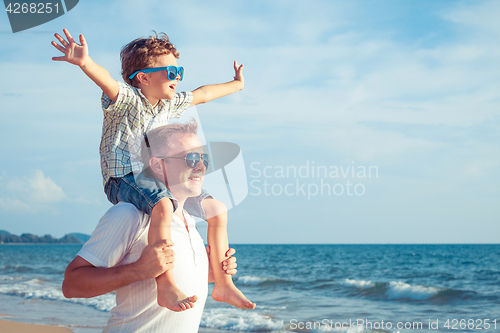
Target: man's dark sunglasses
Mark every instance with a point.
(192, 159)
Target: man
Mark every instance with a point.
(118, 258)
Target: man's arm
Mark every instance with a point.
(84, 280)
(208, 93)
(79, 55)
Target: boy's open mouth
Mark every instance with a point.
(172, 86)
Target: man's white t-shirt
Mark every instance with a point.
(119, 238)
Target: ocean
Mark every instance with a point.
(297, 288)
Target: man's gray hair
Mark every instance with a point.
(157, 142)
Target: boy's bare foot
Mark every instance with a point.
(232, 295)
(173, 299)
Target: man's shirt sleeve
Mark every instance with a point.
(113, 237)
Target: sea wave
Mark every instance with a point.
(43, 289)
(320, 327)
(22, 269)
(255, 281)
(240, 320)
(398, 290)
(354, 329)
(9, 278)
(362, 284)
(401, 290)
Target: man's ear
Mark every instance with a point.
(156, 165)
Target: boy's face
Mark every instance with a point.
(160, 86)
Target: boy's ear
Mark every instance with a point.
(143, 78)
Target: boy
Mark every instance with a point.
(148, 100)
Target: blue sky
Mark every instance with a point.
(409, 88)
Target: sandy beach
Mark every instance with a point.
(19, 314)
(8, 326)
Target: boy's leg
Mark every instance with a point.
(145, 192)
(168, 294)
(224, 289)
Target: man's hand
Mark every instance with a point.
(73, 53)
(155, 259)
(228, 265)
(238, 74)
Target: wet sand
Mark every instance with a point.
(8, 326)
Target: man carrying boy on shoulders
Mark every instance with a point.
(118, 258)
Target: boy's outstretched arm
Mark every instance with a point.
(79, 55)
(210, 92)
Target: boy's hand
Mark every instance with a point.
(73, 53)
(238, 74)
(78, 54)
(210, 92)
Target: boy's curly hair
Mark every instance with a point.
(141, 53)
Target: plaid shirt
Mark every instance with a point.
(127, 121)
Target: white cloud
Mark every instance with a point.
(29, 194)
(322, 91)
(15, 205)
(481, 15)
(43, 189)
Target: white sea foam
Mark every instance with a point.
(327, 328)
(362, 284)
(240, 320)
(37, 288)
(400, 290)
(271, 308)
(9, 278)
(252, 280)
(103, 303)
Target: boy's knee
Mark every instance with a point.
(163, 207)
(213, 207)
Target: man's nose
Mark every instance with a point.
(201, 167)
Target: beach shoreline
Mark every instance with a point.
(11, 326)
(18, 313)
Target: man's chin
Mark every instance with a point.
(195, 193)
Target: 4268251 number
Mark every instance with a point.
(471, 324)
(32, 8)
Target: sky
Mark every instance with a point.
(360, 121)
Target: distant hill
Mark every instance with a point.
(74, 238)
(81, 237)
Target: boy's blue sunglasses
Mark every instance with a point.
(172, 72)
